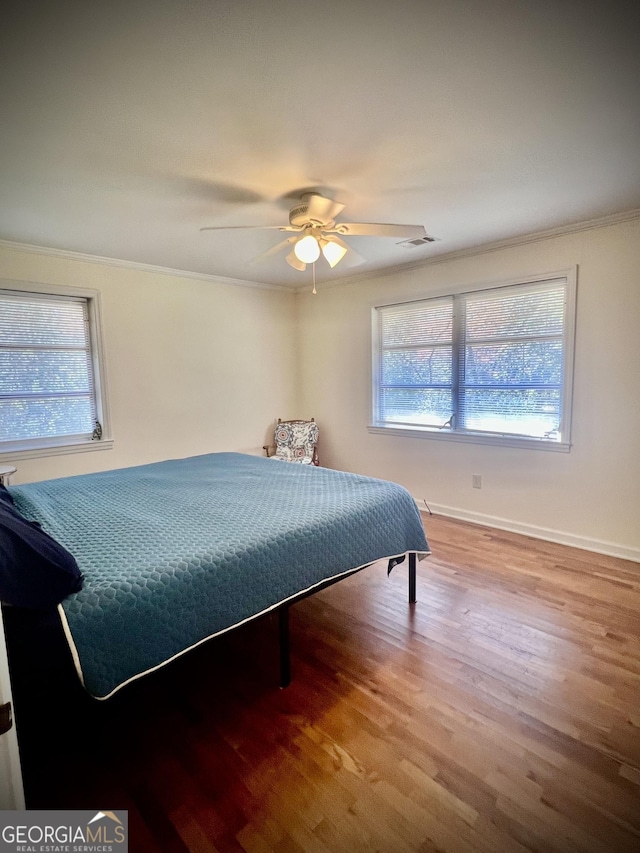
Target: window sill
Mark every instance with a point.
(522, 443)
(55, 450)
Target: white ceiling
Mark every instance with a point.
(127, 126)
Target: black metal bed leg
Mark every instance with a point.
(285, 651)
(412, 578)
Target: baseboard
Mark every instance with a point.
(611, 549)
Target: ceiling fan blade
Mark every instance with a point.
(295, 262)
(217, 191)
(274, 250)
(323, 209)
(247, 227)
(353, 259)
(233, 193)
(379, 229)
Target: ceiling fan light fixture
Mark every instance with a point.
(333, 253)
(307, 249)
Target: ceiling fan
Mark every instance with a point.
(312, 219)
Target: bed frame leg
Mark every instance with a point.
(412, 578)
(285, 651)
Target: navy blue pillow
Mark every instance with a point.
(35, 570)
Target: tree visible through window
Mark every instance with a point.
(492, 362)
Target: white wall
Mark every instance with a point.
(200, 366)
(590, 496)
(193, 366)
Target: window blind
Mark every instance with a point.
(416, 362)
(490, 361)
(511, 363)
(46, 369)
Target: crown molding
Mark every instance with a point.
(137, 266)
(481, 249)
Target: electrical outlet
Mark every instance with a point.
(476, 481)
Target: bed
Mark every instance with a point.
(176, 552)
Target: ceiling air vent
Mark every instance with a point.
(419, 241)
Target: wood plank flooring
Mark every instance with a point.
(500, 713)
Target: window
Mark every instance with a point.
(492, 364)
(50, 378)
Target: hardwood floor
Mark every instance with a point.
(500, 713)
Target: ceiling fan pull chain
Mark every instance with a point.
(313, 268)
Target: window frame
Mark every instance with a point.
(446, 433)
(53, 446)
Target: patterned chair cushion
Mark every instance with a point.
(296, 441)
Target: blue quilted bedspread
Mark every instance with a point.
(178, 551)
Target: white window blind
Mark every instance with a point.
(416, 364)
(47, 385)
(492, 362)
(512, 360)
